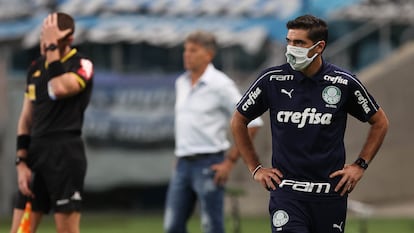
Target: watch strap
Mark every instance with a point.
(51, 47)
(20, 159)
(361, 162)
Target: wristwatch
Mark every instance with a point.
(362, 163)
(51, 47)
(20, 160)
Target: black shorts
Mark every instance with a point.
(59, 167)
(288, 215)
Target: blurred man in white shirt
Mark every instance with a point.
(205, 101)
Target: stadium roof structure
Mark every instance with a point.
(247, 23)
(395, 11)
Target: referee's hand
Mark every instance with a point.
(50, 30)
(24, 177)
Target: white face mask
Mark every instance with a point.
(298, 58)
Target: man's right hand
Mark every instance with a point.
(268, 177)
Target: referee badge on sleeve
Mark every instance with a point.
(31, 92)
(86, 68)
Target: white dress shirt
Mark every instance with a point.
(203, 112)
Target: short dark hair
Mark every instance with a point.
(317, 28)
(65, 21)
(203, 38)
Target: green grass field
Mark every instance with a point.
(133, 223)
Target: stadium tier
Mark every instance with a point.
(163, 22)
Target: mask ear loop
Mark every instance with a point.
(313, 57)
(312, 47)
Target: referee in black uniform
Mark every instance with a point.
(50, 151)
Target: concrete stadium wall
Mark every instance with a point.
(388, 179)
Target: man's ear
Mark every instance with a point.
(70, 38)
(66, 40)
(211, 53)
(321, 46)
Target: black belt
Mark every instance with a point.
(199, 156)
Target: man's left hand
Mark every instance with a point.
(351, 174)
